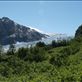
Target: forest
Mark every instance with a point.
(60, 61)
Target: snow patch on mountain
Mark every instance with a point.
(36, 29)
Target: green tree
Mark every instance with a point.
(11, 50)
(1, 49)
(22, 53)
(37, 54)
(54, 44)
(40, 44)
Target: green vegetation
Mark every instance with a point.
(59, 61)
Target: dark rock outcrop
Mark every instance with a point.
(79, 32)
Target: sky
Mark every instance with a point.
(48, 16)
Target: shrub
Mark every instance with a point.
(40, 44)
(58, 60)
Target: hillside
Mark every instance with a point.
(60, 61)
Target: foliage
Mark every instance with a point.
(57, 62)
(11, 50)
(59, 43)
(40, 44)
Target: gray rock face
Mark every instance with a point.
(11, 32)
(79, 31)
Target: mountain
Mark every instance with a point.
(47, 40)
(12, 32)
(79, 32)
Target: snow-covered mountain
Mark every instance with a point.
(23, 36)
(12, 32)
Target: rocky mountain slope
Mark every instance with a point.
(79, 32)
(11, 32)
